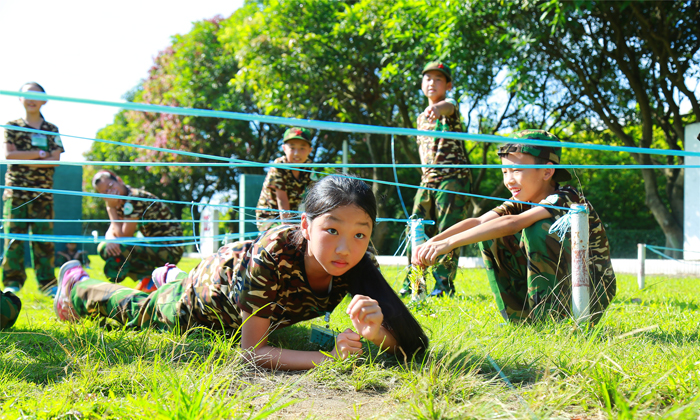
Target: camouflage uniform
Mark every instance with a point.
(281, 179)
(10, 305)
(530, 272)
(137, 261)
(29, 205)
(264, 277)
(442, 206)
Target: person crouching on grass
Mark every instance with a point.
(137, 262)
(528, 268)
(287, 275)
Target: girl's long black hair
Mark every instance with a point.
(365, 278)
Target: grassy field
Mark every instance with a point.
(642, 361)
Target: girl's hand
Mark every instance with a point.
(347, 343)
(366, 316)
(427, 253)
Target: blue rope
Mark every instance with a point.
(337, 126)
(562, 226)
(652, 247)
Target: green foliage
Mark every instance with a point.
(609, 73)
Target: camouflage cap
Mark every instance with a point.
(552, 154)
(438, 66)
(297, 133)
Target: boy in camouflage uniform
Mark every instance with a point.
(137, 262)
(20, 204)
(529, 269)
(284, 188)
(442, 206)
(10, 305)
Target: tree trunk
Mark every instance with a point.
(671, 228)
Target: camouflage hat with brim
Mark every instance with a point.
(438, 66)
(297, 133)
(552, 154)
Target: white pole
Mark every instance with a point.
(641, 257)
(580, 281)
(345, 156)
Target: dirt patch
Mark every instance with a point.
(314, 400)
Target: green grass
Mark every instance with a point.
(641, 361)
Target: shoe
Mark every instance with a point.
(51, 291)
(160, 274)
(71, 273)
(404, 292)
(441, 293)
(11, 289)
(146, 285)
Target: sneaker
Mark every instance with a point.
(71, 273)
(146, 285)
(11, 289)
(160, 274)
(51, 291)
(441, 293)
(404, 292)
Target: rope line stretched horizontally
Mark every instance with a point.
(338, 126)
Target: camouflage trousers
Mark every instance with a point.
(136, 261)
(446, 209)
(10, 305)
(529, 273)
(197, 299)
(42, 252)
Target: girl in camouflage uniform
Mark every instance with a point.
(20, 204)
(287, 275)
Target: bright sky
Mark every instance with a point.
(88, 49)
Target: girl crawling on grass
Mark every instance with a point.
(287, 275)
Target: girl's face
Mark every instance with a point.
(32, 106)
(337, 240)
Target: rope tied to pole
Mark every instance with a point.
(562, 226)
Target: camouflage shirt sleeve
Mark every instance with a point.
(260, 281)
(510, 208)
(562, 197)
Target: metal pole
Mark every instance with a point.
(345, 156)
(641, 258)
(580, 281)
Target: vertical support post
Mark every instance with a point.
(641, 259)
(345, 156)
(208, 230)
(580, 282)
(418, 286)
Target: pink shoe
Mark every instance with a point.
(160, 275)
(71, 273)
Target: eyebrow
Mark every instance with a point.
(335, 219)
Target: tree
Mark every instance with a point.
(193, 72)
(629, 63)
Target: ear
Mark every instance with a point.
(448, 86)
(549, 171)
(305, 226)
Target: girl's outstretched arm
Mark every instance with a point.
(254, 334)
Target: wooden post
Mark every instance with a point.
(345, 156)
(641, 258)
(580, 281)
